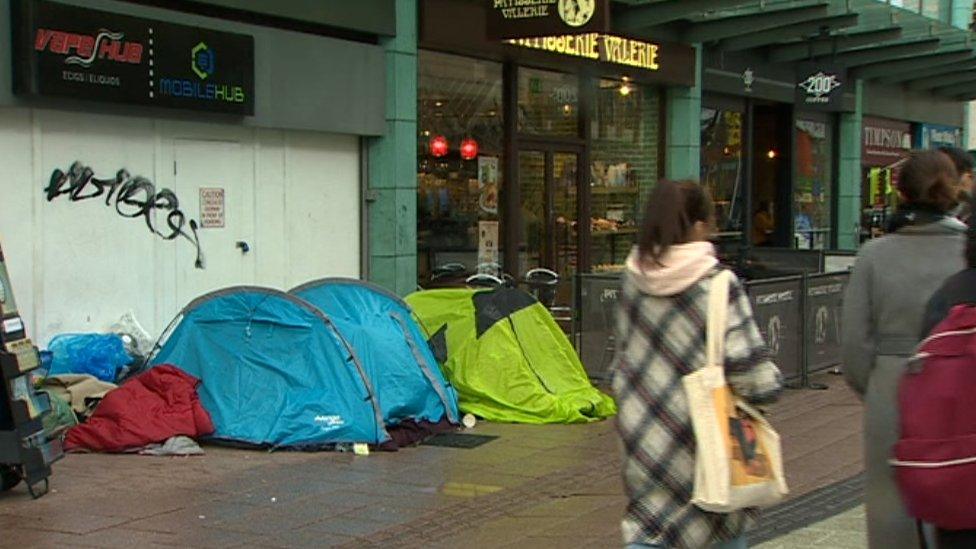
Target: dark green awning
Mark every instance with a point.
(874, 39)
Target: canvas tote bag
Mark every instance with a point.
(738, 462)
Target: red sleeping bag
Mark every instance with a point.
(157, 405)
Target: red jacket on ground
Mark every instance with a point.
(158, 404)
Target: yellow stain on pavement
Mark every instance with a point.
(468, 490)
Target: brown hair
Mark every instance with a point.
(669, 216)
(928, 179)
(960, 158)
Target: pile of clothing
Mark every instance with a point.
(157, 412)
(150, 409)
(99, 404)
(73, 398)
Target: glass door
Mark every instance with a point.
(565, 206)
(548, 228)
(533, 252)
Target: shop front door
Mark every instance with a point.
(214, 183)
(772, 177)
(548, 225)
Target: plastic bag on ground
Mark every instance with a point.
(99, 355)
(141, 341)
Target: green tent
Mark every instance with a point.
(507, 357)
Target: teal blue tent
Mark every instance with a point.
(277, 371)
(390, 346)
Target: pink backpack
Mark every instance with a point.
(935, 457)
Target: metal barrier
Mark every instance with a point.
(823, 302)
(777, 304)
(597, 297)
(799, 318)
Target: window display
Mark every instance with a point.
(722, 167)
(459, 166)
(881, 199)
(623, 166)
(548, 103)
(461, 170)
(814, 181)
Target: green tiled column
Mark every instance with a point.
(962, 17)
(392, 212)
(849, 176)
(683, 155)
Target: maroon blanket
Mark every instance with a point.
(158, 404)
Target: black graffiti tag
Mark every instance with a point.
(133, 197)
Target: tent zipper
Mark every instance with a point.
(527, 361)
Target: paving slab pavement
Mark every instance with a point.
(846, 530)
(533, 486)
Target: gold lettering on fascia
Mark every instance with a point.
(633, 53)
(524, 9)
(599, 47)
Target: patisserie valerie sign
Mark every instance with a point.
(530, 18)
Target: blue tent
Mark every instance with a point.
(275, 371)
(391, 347)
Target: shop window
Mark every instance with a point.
(879, 199)
(623, 166)
(814, 181)
(548, 103)
(459, 167)
(722, 167)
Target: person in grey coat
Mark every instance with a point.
(893, 279)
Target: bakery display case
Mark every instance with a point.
(623, 168)
(615, 204)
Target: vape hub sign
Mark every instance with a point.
(78, 53)
(84, 49)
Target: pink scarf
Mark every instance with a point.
(682, 266)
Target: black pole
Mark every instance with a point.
(510, 189)
(748, 158)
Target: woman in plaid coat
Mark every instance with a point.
(660, 335)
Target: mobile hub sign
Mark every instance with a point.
(79, 53)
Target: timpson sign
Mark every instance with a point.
(599, 47)
(884, 141)
(508, 19)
